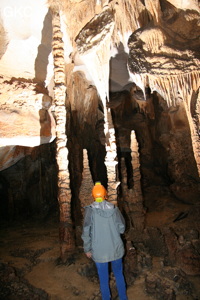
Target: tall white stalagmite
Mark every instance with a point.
(64, 191)
(111, 158)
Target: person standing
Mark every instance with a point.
(102, 228)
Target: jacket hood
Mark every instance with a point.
(106, 213)
(104, 209)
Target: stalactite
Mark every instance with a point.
(153, 6)
(64, 192)
(135, 16)
(170, 87)
(141, 80)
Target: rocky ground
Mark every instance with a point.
(30, 268)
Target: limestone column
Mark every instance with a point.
(64, 192)
(111, 157)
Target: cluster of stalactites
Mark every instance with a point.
(173, 88)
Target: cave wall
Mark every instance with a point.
(29, 188)
(171, 131)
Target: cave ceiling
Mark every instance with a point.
(109, 46)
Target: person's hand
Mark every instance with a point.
(88, 254)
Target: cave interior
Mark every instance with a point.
(129, 113)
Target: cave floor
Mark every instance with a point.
(29, 254)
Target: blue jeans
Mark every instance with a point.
(117, 268)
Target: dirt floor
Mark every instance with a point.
(29, 253)
(34, 250)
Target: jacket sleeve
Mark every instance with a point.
(120, 222)
(86, 233)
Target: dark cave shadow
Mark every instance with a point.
(126, 154)
(45, 130)
(4, 203)
(41, 63)
(118, 67)
(44, 49)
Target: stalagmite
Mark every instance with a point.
(85, 194)
(64, 192)
(136, 168)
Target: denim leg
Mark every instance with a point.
(117, 268)
(102, 269)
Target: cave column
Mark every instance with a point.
(135, 194)
(111, 157)
(85, 194)
(132, 197)
(64, 191)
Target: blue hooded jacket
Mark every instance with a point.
(102, 229)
